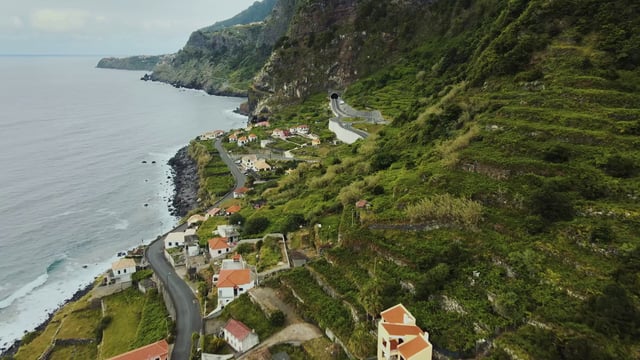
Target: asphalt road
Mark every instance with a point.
(235, 171)
(188, 316)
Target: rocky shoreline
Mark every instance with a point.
(184, 172)
(13, 349)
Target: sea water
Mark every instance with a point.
(74, 190)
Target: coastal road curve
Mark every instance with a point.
(235, 171)
(188, 316)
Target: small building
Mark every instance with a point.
(192, 244)
(228, 231)
(218, 247)
(242, 141)
(174, 239)
(248, 161)
(233, 138)
(234, 279)
(400, 338)
(239, 336)
(123, 269)
(213, 212)
(265, 143)
(233, 209)
(363, 204)
(302, 129)
(261, 165)
(316, 141)
(156, 351)
(297, 258)
(252, 137)
(240, 192)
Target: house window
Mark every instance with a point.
(125, 271)
(118, 272)
(219, 251)
(241, 289)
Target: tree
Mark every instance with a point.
(236, 219)
(277, 318)
(256, 225)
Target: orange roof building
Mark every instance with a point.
(233, 282)
(157, 350)
(218, 246)
(400, 337)
(233, 209)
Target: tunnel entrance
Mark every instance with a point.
(335, 96)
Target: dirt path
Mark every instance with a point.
(292, 334)
(296, 331)
(269, 301)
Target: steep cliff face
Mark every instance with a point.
(223, 61)
(330, 44)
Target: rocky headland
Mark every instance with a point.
(184, 171)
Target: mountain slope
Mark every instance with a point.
(224, 61)
(504, 193)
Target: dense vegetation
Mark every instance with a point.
(504, 192)
(258, 11)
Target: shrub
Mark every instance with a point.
(256, 225)
(550, 204)
(277, 318)
(619, 166)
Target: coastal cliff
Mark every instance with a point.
(184, 172)
(223, 60)
(141, 62)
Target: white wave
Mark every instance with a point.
(24, 291)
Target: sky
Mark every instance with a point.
(106, 27)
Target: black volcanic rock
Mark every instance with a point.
(184, 171)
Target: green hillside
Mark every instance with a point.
(504, 193)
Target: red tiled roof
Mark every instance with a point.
(401, 330)
(213, 211)
(395, 314)
(233, 209)
(241, 190)
(233, 278)
(362, 203)
(236, 328)
(412, 347)
(218, 243)
(158, 349)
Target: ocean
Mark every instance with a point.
(74, 190)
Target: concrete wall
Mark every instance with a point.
(344, 134)
(165, 296)
(101, 291)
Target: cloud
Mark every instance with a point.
(54, 20)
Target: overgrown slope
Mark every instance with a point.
(504, 194)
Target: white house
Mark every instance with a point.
(248, 161)
(123, 269)
(229, 231)
(261, 165)
(239, 336)
(233, 282)
(240, 192)
(218, 247)
(174, 239)
(242, 140)
(400, 338)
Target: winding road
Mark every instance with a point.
(188, 315)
